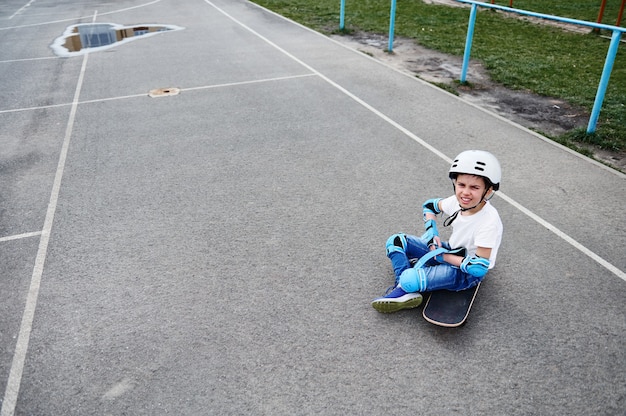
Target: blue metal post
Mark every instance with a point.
(392, 23)
(604, 81)
(342, 15)
(608, 64)
(468, 42)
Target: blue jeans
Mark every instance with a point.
(438, 276)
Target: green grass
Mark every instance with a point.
(518, 54)
(576, 9)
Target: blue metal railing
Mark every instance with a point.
(342, 15)
(608, 64)
(392, 20)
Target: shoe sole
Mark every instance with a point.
(389, 306)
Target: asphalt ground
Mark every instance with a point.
(216, 251)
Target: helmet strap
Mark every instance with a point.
(452, 217)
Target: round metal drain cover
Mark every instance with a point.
(164, 92)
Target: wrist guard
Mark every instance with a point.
(431, 232)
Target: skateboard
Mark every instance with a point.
(449, 308)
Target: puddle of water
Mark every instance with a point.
(91, 37)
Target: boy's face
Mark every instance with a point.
(469, 190)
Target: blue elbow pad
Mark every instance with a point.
(431, 206)
(475, 266)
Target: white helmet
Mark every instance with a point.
(479, 163)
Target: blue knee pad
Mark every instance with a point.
(413, 280)
(396, 242)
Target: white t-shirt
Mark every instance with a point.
(483, 229)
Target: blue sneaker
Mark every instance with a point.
(396, 300)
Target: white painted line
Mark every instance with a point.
(607, 265)
(124, 97)
(9, 61)
(20, 236)
(17, 366)
(21, 9)
(258, 81)
(595, 257)
(17, 110)
(74, 19)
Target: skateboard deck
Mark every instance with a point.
(449, 308)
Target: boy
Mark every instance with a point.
(476, 234)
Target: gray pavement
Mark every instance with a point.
(216, 251)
